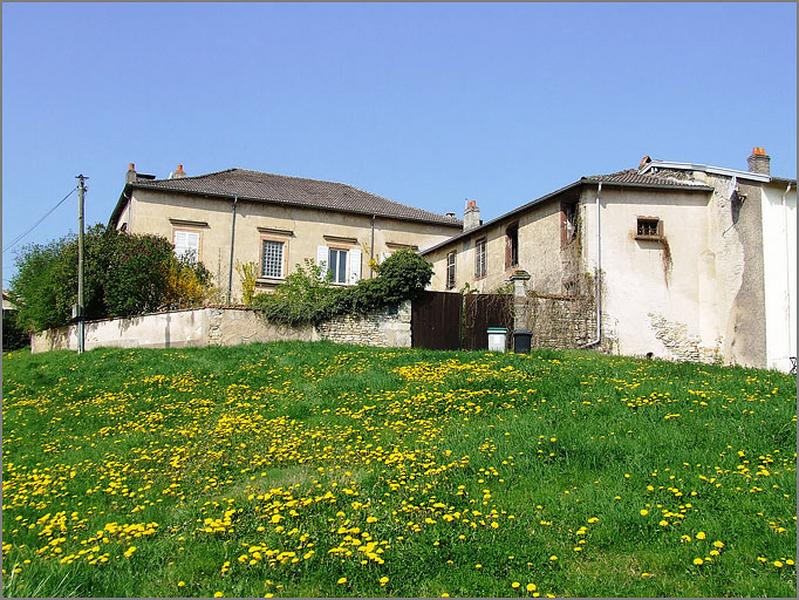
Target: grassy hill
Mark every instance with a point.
(323, 470)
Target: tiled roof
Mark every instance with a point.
(634, 178)
(294, 191)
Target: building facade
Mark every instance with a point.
(275, 221)
(686, 261)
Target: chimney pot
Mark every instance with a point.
(130, 176)
(759, 161)
(178, 173)
(471, 216)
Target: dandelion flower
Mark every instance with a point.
(553, 558)
(644, 512)
(181, 584)
(515, 585)
(341, 580)
(701, 535)
(718, 544)
(383, 581)
(698, 562)
(217, 594)
(531, 587)
(778, 564)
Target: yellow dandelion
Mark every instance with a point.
(531, 587)
(778, 564)
(701, 535)
(698, 562)
(644, 512)
(342, 580)
(553, 557)
(217, 594)
(181, 584)
(383, 580)
(515, 585)
(718, 544)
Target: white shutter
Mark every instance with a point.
(384, 256)
(354, 257)
(321, 259)
(193, 242)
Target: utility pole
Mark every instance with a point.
(81, 332)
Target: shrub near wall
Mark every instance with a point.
(124, 275)
(307, 295)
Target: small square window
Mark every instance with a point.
(649, 228)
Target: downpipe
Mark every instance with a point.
(232, 246)
(597, 275)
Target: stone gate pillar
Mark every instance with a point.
(521, 308)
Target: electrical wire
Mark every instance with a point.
(37, 223)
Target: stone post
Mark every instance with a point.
(521, 308)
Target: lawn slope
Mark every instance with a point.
(317, 469)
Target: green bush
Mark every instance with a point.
(123, 274)
(308, 297)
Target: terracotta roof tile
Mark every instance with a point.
(295, 191)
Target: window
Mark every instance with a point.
(480, 258)
(272, 259)
(649, 228)
(450, 270)
(337, 265)
(512, 246)
(187, 244)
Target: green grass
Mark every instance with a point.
(433, 462)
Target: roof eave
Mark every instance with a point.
(655, 186)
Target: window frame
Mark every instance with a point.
(451, 278)
(658, 235)
(188, 229)
(284, 258)
(511, 245)
(346, 251)
(480, 251)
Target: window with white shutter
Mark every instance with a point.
(337, 265)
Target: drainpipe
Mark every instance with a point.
(787, 270)
(597, 276)
(372, 247)
(232, 245)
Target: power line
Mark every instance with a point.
(37, 223)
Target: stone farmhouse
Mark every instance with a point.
(683, 260)
(275, 221)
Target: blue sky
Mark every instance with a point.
(425, 104)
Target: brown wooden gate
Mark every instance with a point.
(436, 321)
(482, 311)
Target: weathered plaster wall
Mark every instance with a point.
(644, 283)
(779, 263)
(539, 253)
(302, 230)
(390, 327)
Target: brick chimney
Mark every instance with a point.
(177, 173)
(759, 161)
(471, 216)
(130, 176)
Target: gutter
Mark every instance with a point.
(597, 276)
(232, 245)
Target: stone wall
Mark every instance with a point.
(390, 327)
(224, 326)
(558, 321)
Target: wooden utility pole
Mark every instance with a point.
(81, 192)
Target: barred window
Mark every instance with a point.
(272, 263)
(480, 258)
(649, 227)
(450, 270)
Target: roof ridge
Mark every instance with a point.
(188, 176)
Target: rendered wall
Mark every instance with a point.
(303, 230)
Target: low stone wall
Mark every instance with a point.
(227, 327)
(390, 327)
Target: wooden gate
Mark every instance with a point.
(436, 321)
(482, 311)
